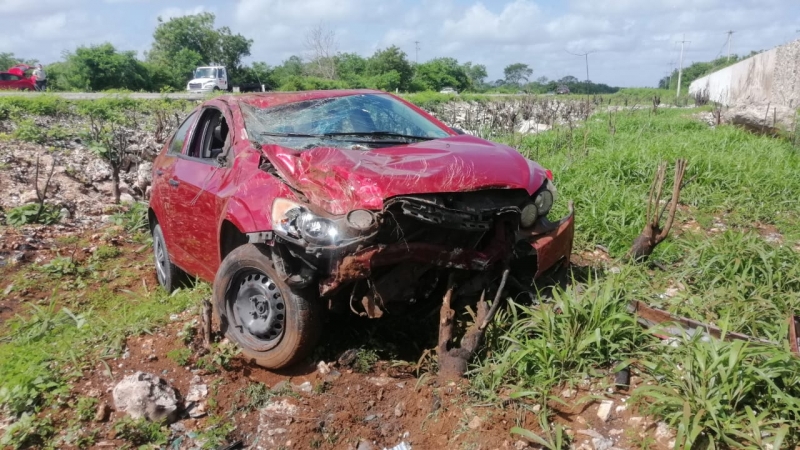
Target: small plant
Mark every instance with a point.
(188, 332)
(132, 217)
(224, 354)
(28, 131)
(141, 431)
(32, 213)
(180, 356)
(60, 266)
(554, 436)
(254, 396)
(105, 252)
(27, 432)
(217, 431)
(365, 359)
(85, 408)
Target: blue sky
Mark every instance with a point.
(633, 40)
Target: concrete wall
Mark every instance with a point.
(769, 77)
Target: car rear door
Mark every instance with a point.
(165, 186)
(197, 203)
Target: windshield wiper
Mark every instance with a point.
(299, 135)
(381, 134)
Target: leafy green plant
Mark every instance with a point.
(107, 252)
(85, 408)
(141, 431)
(27, 431)
(554, 436)
(27, 214)
(218, 429)
(132, 217)
(365, 360)
(730, 393)
(180, 355)
(254, 396)
(224, 353)
(27, 130)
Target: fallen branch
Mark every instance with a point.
(453, 361)
(653, 234)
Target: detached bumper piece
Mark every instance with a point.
(553, 243)
(677, 326)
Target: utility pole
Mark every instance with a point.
(730, 36)
(680, 66)
(416, 48)
(586, 58)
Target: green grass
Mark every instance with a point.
(715, 394)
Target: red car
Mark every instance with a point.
(15, 79)
(297, 202)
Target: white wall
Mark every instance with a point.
(769, 77)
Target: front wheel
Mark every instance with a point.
(275, 325)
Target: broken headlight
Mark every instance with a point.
(295, 221)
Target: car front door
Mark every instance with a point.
(165, 185)
(196, 203)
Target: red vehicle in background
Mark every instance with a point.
(15, 79)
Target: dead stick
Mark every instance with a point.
(207, 324)
(496, 303)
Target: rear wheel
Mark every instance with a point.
(169, 275)
(275, 325)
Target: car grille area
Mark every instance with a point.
(195, 85)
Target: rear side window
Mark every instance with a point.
(180, 136)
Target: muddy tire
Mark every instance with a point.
(275, 326)
(168, 274)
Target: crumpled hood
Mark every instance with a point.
(340, 180)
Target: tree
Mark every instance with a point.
(321, 43)
(476, 73)
(442, 72)
(100, 67)
(568, 80)
(182, 40)
(542, 80)
(516, 73)
(351, 67)
(391, 59)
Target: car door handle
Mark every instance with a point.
(159, 172)
(174, 182)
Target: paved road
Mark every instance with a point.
(95, 95)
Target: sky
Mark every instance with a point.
(632, 42)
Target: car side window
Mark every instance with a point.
(180, 136)
(210, 137)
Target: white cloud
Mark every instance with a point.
(518, 22)
(172, 12)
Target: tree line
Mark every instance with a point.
(183, 43)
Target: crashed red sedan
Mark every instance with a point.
(293, 203)
(15, 79)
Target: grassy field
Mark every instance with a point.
(733, 260)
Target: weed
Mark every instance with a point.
(132, 217)
(28, 431)
(141, 431)
(554, 436)
(180, 355)
(28, 131)
(224, 353)
(732, 393)
(188, 332)
(254, 396)
(85, 408)
(107, 252)
(27, 214)
(365, 359)
(217, 431)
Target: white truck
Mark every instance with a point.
(215, 78)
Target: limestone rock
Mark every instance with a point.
(146, 395)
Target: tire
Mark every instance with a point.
(168, 274)
(275, 326)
